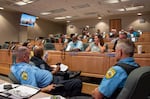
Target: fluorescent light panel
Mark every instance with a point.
(23, 2)
(20, 3)
(59, 18)
(134, 8)
(1, 8)
(63, 17)
(115, 1)
(45, 13)
(130, 8)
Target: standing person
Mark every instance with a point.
(116, 76)
(98, 45)
(28, 74)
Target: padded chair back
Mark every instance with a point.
(49, 46)
(13, 78)
(137, 85)
(85, 45)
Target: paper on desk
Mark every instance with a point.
(2, 86)
(24, 91)
(62, 67)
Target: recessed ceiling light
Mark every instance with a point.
(99, 17)
(68, 17)
(139, 14)
(20, 3)
(1, 8)
(45, 13)
(122, 9)
(68, 21)
(59, 18)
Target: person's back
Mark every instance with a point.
(38, 61)
(29, 75)
(116, 76)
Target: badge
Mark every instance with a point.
(110, 73)
(24, 75)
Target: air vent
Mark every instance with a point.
(90, 13)
(57, 10)
(5, 2)
(81, 6)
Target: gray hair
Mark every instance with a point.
(127, 46)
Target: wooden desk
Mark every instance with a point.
(91, 64)
(88, 63)
(38, 95)
(141, 59)
(5, 61)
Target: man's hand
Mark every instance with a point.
(96, 94)
(48, 88)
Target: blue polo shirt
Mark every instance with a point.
(31, 75)
(115, 78)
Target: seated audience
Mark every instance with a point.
(122, 35)
(132, 32)
(98, 45)
(38, 61)
(116, 76)
(30, 46)
(34, 76)
(113, 35)
(75, 44)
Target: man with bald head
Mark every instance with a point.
(28, 74)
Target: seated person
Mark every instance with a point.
(116, 76)
(75, 44)
(113, 35)
(122, 35)
(39, 62)
(25, 73)
(97, 46)
(133, 33)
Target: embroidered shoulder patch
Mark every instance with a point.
(24, 75)
(110, 73)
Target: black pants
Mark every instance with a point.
(72, 87)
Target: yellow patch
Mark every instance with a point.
(24, 76)
(110, 73)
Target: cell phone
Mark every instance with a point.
(59, 85)
(8, 87)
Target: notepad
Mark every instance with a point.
(17, 91)
(24, 91)
(63, 67)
